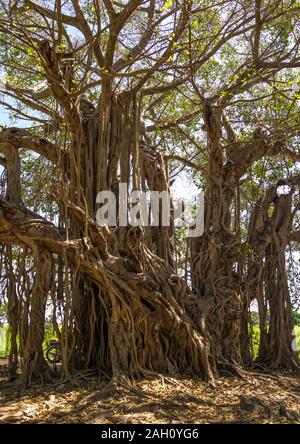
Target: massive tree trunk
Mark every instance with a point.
(125, 311)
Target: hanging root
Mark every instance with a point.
(34, 364)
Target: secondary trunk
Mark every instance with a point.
(269, 236)
(214, 254)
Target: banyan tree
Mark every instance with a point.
(137, 92)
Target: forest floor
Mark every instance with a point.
(257, 398)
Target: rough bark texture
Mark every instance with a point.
(217, 257)
(269, 236)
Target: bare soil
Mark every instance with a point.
(257, 398)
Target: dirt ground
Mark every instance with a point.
(258, 398)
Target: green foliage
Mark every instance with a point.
(4, 341)
(255, 337)
(296, 318)
(37, 184)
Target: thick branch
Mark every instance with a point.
(23, 139)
